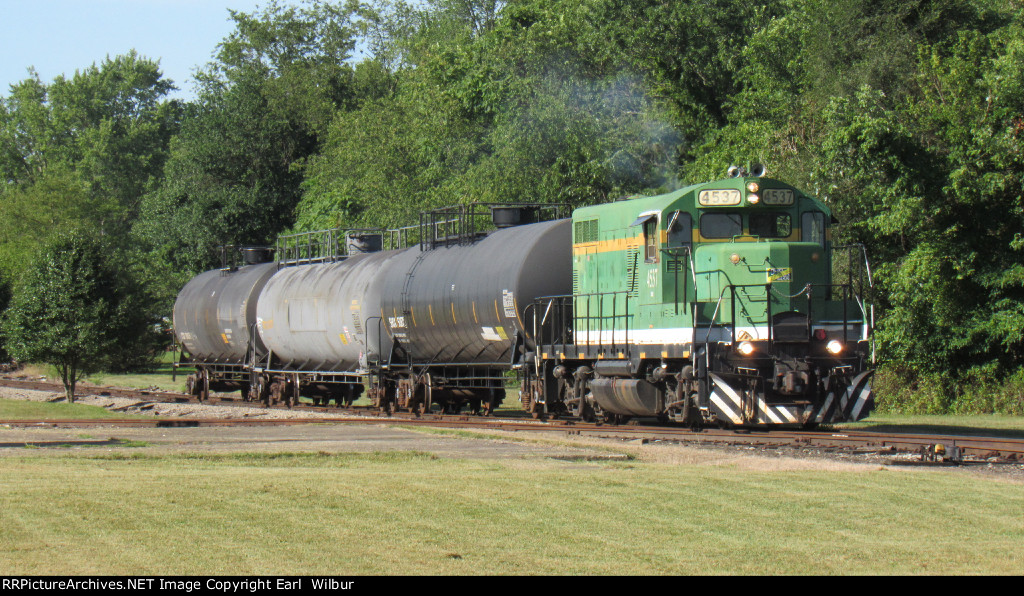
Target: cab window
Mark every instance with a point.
(770, 225)
(813, 227)
(651, 239)
(721, 225)
(680, 229)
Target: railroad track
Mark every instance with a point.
(933, 448)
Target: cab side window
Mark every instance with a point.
(651, 240)
(680, 230)
(813, 227)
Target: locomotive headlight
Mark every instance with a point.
(753, 187)
(834, 347)
(734, 259)
(746, 348)
(753, 199)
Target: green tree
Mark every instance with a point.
(77, 308)
(522, 102)
(235, 171)
(81, 150)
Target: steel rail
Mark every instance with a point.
(970, 446)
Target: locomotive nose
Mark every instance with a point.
(791, 265)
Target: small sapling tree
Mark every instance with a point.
(75, 306)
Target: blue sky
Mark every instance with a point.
(61, 36)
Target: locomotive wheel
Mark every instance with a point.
(587, 413)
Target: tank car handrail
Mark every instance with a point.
(460, 221)
(331, 244)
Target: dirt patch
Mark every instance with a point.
(155, 408)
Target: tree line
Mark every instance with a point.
(905, 116)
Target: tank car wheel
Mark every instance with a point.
(588, 413)
(616, 418)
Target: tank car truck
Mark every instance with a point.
(714, 304)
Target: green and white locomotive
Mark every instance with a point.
(720, 303)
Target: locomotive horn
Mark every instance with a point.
(758, 170)
(734, 171)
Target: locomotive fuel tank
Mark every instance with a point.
(466, 303)
(215, 311)
(326, 316)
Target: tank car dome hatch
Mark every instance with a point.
(507, 217)
(254, 255)
(357, 244)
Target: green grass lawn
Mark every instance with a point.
(410, 513)
(161, 377)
